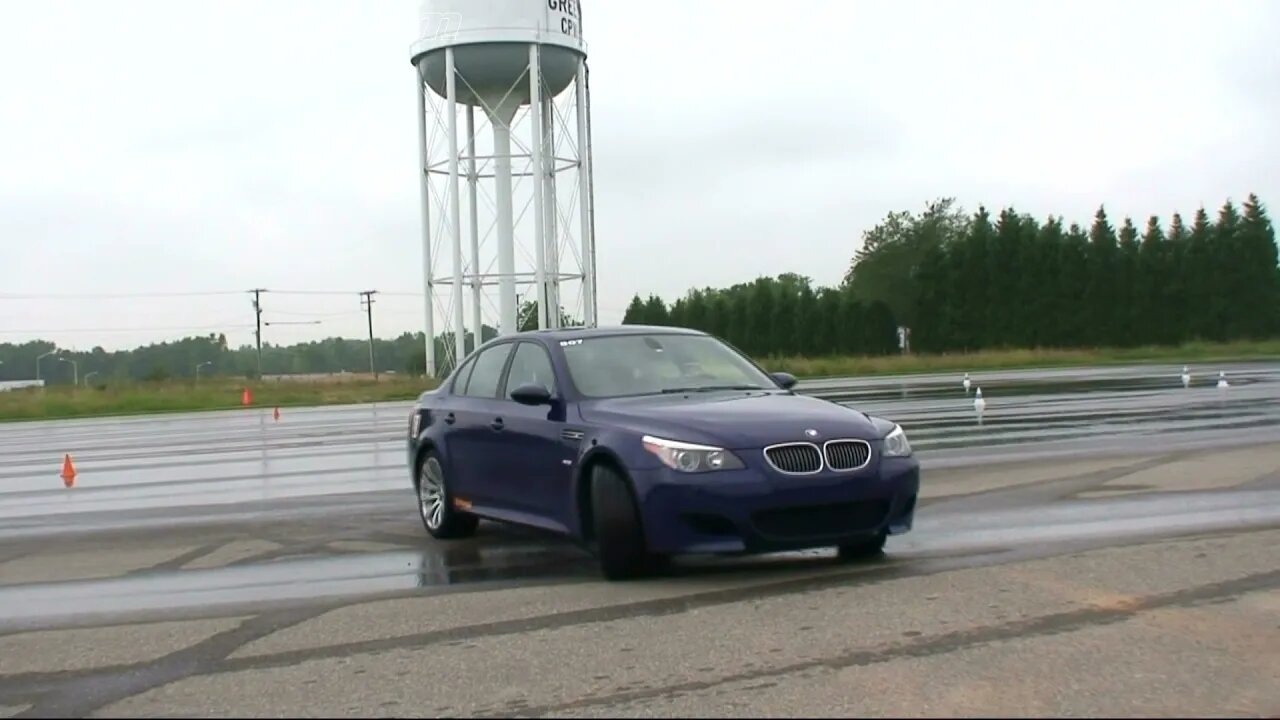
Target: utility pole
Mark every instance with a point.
(367, 301)
(257, 334)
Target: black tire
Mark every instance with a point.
(871, 548)
(450, 523)
(619, 534)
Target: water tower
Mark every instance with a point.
(510, 209)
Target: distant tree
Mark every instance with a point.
(1151, 297)
(716, 314)
(879, 330)
(1127, 301)
(828, 320)
(1101, 292)
(760, 316)
(635, 314)
(695, 311)
(1200, 279)
(1260, 298)
(1004, 263)
(783, 338)
(656, 312)
(849, 333)
(1180, 290)
(892, 251)
(1037, 275)
(809, 329)
(678, 315)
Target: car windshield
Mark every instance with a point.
(620, 365)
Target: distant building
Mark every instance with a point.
(7, 385)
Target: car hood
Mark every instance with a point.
(733, 419)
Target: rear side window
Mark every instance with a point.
(460, 382)
(487, 372)
(531, 364)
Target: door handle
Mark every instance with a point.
(450, 419)
(497, 424)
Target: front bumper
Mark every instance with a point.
(755, 510)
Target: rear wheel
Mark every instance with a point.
(619, 533)
(872, 547)
(435, 503)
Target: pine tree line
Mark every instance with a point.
(1016, 282)
(968, 282)
(786, 315)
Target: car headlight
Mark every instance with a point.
(691, 458)
(415, 420)
(895, 443)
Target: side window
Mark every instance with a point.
(531, 365)
(460, 381)
(487, 372)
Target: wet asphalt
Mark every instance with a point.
(178, 467)
(231, 529)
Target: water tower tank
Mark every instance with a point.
(490, 39)
(477, 54)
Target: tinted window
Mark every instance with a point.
(488, 370)
(531, 364)
(618, 365)
(460, 380)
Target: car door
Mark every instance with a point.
(445, 410)
(536, 464)
(473, 442)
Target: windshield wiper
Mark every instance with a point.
(710, 388)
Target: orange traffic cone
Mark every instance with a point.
(68, 471)
(276, 414)
(246, 398)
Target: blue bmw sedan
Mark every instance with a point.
(641, 443)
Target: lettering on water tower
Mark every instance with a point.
(442, 26)
(570, 16)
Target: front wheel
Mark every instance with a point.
(435, 503)
(619, 533)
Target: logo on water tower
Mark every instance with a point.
(443, 26)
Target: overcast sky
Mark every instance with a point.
(158, 147)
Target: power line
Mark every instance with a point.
(113, 296)
(341, 292)
(296, 313)
(208, 293)
(310, 292)
(133, 329)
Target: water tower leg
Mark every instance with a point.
(505, 226)
(424, 180)
(539, 183)
(549, 198)
(473, 181)
(586, 202)
(455, 210)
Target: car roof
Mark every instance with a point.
(575, 333)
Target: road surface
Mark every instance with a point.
(1102, 542)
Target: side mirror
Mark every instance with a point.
(531, 394)
(786, 380)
